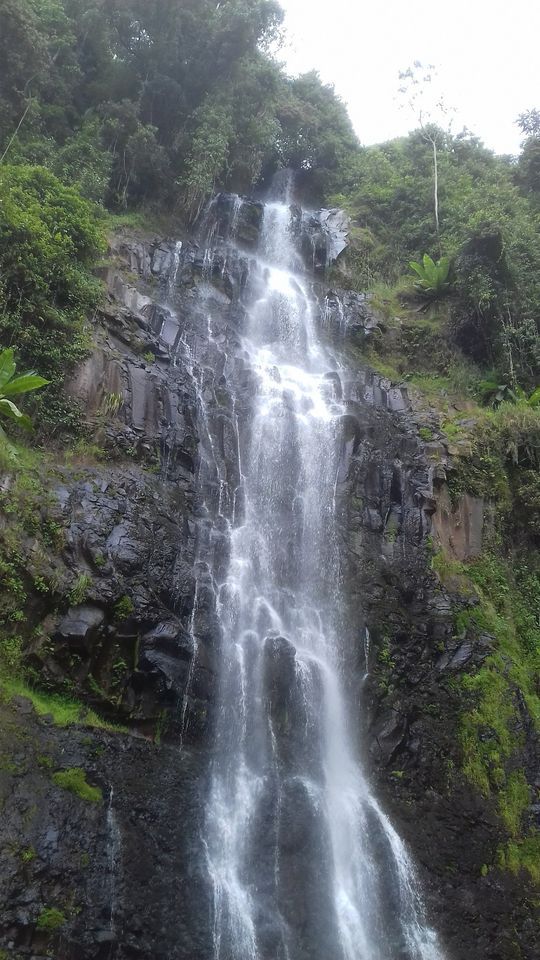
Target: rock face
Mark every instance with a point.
(107, 867)
(409, 658)
(133, 631)
(460, 530)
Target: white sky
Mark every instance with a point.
(487, 54)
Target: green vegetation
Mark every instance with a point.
(112, 403)
(11, 386)
(65, 711)
(75, 781)
(80, 588)
(31, 536)
(522, 855)
(487, 234)
(147, 102)
(123, 609)
(49, 236)
(432, 277)
(50, 919)
(29, 516)
(505, 605)
(503, 466)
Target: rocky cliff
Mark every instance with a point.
(103, 798)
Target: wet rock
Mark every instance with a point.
(460, 527)
(336, 225)
(249, 223)
(170, 638)
(172, 670)
(280, 675)
(162, 260)
(23, 705)
(390, 736)
(323, 236)
(126, 547)
(81, 624)
(235, 218)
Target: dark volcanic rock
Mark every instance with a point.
(392, 506)
(126, 873)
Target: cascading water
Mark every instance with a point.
(303, 862)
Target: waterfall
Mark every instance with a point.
(173, 276)
(114, 852)
(304, 863)
(367, 649)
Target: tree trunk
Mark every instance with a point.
(436, 193)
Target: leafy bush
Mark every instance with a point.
(50, 919)
(513, 430)
(494, 393)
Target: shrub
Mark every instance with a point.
(50, 919)
(49, 237)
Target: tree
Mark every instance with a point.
(529, 123)
(529, 160)
(316, 136)
(418, 91)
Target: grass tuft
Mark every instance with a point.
(64, 711)
(74, 780)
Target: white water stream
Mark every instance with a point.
(304, 863)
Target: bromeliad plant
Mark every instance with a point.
(13, 386)
(432, 277)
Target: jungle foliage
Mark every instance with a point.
(131, 103)
(160, 100)
(489, 234)
(127, 104)
(49, 237)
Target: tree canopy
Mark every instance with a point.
(160, 99)
(130, 102)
